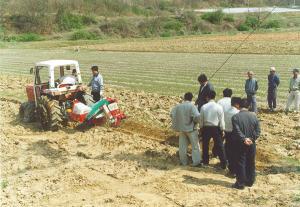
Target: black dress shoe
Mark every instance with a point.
(223, 166)
(204, 163)
(238, 186)
(249, 184)
(230, 175)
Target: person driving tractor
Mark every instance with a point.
(69, 79)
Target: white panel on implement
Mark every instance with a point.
(113, 106)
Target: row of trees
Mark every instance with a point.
(46, 16)
(113, 7)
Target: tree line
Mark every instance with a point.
(48, 16)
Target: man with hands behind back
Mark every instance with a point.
(246, 129)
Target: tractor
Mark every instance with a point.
(51, 94)
(57, 94)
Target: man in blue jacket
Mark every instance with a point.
(96, 84)
(251, 88)
(273, 83)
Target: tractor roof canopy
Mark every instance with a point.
(53, 65)
(56, 63)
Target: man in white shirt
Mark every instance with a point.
(212, 125)
(225, 102)
(230, 144)
(294, 92)
(68, 80)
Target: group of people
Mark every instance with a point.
(232, 119)
(251, 87)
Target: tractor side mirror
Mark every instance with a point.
(31, 70)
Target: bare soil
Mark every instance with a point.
(136, 164)
(264, 43)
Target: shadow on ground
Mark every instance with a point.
(205, 181)
(50, 150)
(281, 169)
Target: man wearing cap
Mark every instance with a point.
(251, 88)
(294, 91)
(273, 83)
(97, 84)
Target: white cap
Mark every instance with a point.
(272, 69)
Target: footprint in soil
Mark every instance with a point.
(83, 155)
(48, 149)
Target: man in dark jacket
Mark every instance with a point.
(273, 83)
(205, 88)
(246, 129)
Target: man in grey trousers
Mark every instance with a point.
(184, 118)
(251, 88)
(273, 83)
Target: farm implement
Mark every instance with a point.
(57, 97)
(103, 111)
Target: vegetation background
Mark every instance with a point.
(155, 46)
(34, 20)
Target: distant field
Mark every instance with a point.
(262, 43)
(279, 43)
(163, 73)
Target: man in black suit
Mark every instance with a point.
(246, 129)
(205, 88)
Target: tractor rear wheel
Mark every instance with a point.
(22, 111)
(50, 114)
(27, 112)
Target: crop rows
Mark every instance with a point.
(266, 43)
(163, 73)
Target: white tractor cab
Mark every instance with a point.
(50, 76)
(56, 84)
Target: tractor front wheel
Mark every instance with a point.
(50, 114)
